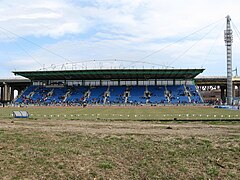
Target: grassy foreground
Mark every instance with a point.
(78, 143)
(70, 155)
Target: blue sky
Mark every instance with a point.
(81, 31)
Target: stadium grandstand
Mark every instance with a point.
(110, 87)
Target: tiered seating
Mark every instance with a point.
(57, 95)
(97, 95)
(137, 95)
(41, 95)
(177, 94)
(195, 97)
(25, 96)
(116, 94)
(157, 94)
(76, 94)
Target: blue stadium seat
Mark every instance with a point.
(177, 94)
(25, 94)
(157, 94)
(97, 95)
(137, 95)
(57, 95)
(116, 95)
(78, 94)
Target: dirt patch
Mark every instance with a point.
(121, 127)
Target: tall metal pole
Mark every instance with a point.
(228, 37)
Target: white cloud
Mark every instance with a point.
(41, 18)
(119, 29)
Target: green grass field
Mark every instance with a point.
(128, 113)
(70, 155)
(120, 143)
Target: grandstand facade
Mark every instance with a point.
(110, 87)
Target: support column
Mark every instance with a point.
(12, 94)
(228, 37)
(6, 93)
(1, 93)
(233, 92)
(223, 97)
(239, 91)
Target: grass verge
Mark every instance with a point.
(69, 155)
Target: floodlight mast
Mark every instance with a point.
(228, 37)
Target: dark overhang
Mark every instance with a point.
(15, 82)
(111, 74)
(216, 80)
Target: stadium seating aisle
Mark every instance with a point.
(194, 94)
(58, 95)
(25, 95)
(175, 94)
(76, 94)
(39, 94)
(97, 95)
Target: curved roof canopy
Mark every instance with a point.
(111, 74)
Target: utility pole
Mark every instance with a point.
(228, 37)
